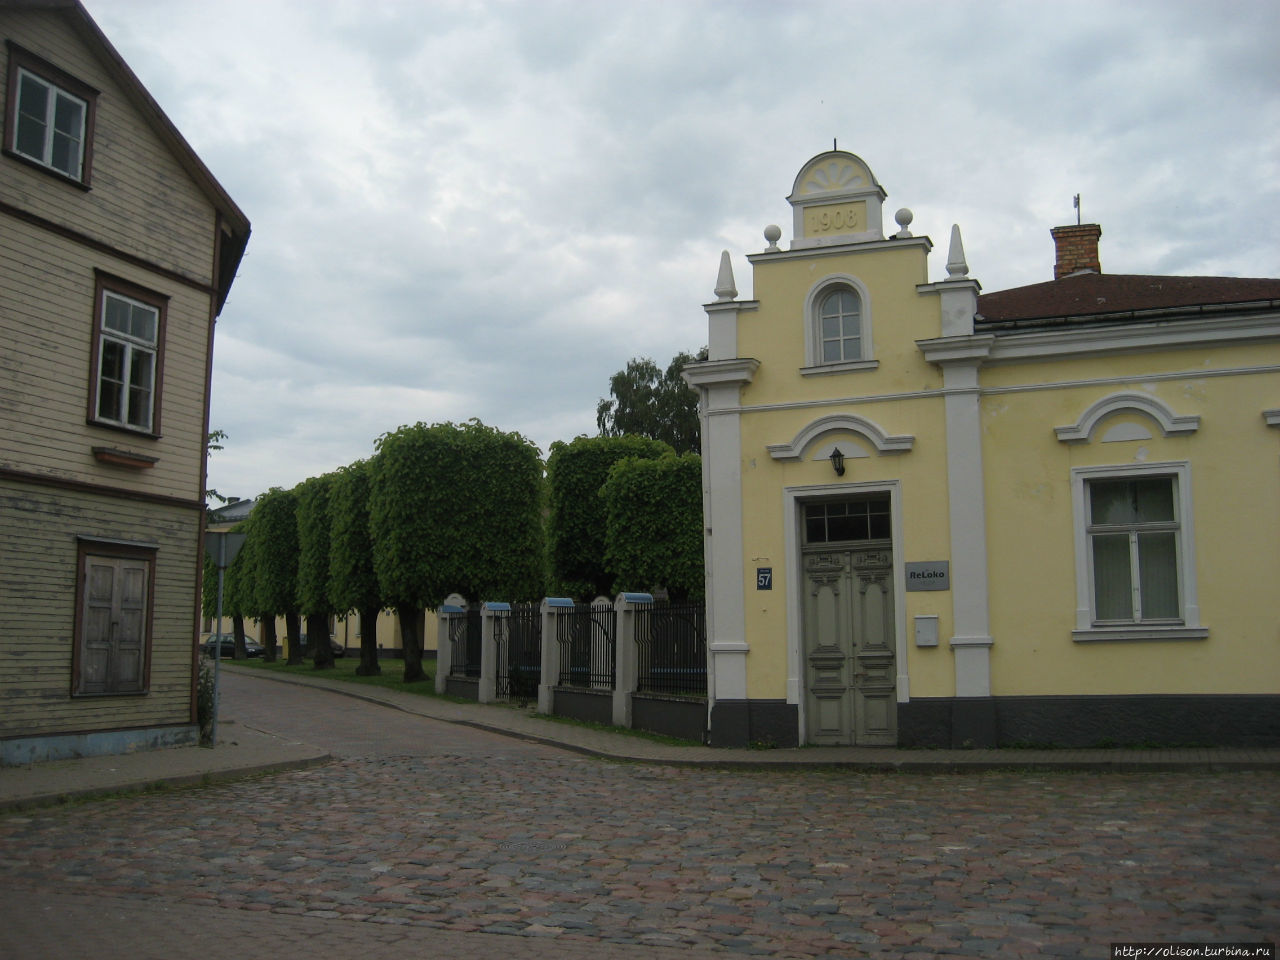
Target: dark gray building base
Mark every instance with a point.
(745, 723)
(683, 717)
(1166, 720)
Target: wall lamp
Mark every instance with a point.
(837, 461)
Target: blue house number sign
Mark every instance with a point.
(764, 578)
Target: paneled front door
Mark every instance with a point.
(848, 624)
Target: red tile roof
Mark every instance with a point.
(1101, 297)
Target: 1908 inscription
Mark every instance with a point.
(835, 218)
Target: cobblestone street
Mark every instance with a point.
(436, 827)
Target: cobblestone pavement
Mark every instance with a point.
(448, 832)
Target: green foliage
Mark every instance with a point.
(275, 534)
(353, 582)
(576, 529)
(654, 532)
(205, 694)
(313, 544)
(456, 507)
(649, 402)
(239, 594)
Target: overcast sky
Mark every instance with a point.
(482, 209)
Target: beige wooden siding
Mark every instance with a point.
(142, 200)
(46, 325)
(38, 528)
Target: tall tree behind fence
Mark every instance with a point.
(654, 525)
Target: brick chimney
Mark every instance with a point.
(1077, 249)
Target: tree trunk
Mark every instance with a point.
(270, 652)
(237, 627)
(321, 646)
(369, 644)
(411, 637)
(293, 633)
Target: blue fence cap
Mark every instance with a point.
(638, 597)
(452, 608)
(559, 602)
(498, 606)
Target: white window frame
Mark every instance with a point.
(1186, 627)
(52, 94)
(134, 297)
(813, 327)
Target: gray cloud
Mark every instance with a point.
(485, 209)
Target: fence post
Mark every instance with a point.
(550, 609)
(489, 614)
(452, 607)
(624, 656)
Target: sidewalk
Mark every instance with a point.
(243, 751)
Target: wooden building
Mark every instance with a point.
(117, 251)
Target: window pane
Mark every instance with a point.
(33, 117)
(143, 323)
(115, 314)
(140, 389)
(831, 351)
(1153, 500)
(1158, 575)
(831, 328)
(843, 528)
(1110, 501)
(111, 380)
(68, 116)
(815, 530)
(852, 348)
(1112, 582)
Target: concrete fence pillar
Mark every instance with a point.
(490, 616)
(625, 656)
(551, 609)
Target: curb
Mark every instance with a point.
(1121, 762)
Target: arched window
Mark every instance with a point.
(840, 326)
(837, 327)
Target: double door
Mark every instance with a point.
(849, 645)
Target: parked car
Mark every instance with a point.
(228, 642)
(338, 649)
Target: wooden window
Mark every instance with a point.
(114, 589)
(1133, 539)
(128, 356)
(49, 117)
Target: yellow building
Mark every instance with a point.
(934, 517)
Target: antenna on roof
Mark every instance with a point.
(1076, 203)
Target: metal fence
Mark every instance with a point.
(464, 645)
(518, 639)
(671, 649)
(586, 638)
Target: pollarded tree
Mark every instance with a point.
(313, 565)
(576, 529)
(654, 536)
(647, 401)
(275, 527)
(453, 507)
(353, 582)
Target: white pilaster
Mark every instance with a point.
(719, 383)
